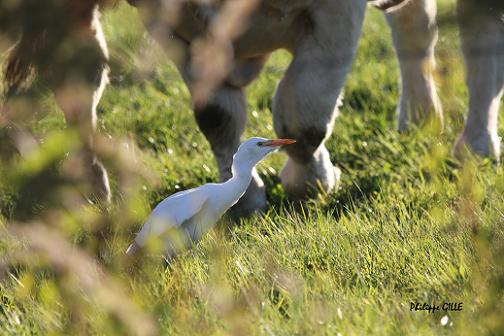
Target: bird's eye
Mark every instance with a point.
(260, 143)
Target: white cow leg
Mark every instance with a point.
(414, 33)
(78, 85)
(482, 39)
(305, 105)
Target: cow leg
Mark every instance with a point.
(306, 102)
(222, 120)
(414, 33)
(482, 40)
(78, 85)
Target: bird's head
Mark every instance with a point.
(255, 149)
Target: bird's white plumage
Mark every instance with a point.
(172, 213)
(193, 212)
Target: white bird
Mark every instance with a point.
(183, 218)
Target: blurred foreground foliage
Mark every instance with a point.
(409, 224)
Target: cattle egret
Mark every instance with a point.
(181, 219)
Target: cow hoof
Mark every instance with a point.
(303, 181)
(483, 144)
(253, 201)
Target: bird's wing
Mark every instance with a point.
(171, 213)
(185, 205)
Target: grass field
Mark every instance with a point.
(408, 223)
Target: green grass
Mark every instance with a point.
(408, 223)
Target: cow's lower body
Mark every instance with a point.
(322, 37)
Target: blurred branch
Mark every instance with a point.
(83, 274)
(213, 56)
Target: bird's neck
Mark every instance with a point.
(239, 182)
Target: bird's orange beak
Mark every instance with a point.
(279, 142)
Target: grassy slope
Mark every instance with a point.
(353, 260)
